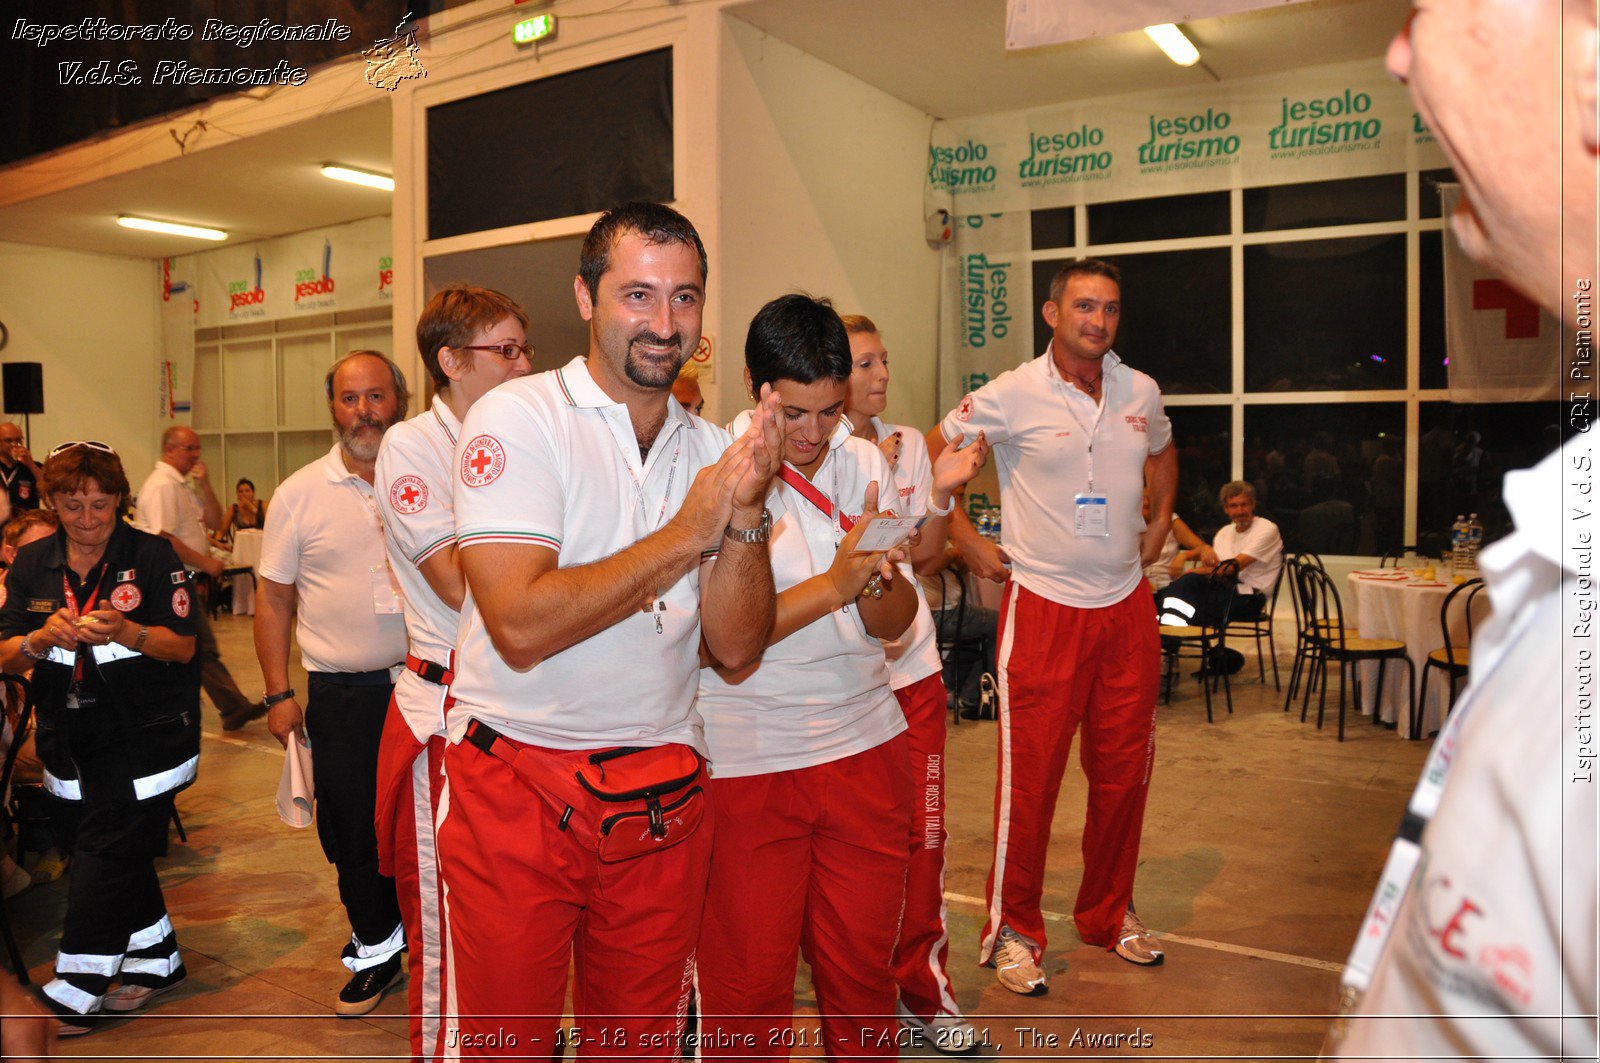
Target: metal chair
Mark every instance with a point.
(1261, 628)
(1307, 661)
(954, 651)
(1451, 659)
(1205, 642)
(1320, 600)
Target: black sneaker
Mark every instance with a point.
(254, 712)
(366, 987)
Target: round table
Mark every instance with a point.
(1390, 603)
(246, 554)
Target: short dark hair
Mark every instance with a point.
(242, 482)
(401, 390)
(78, 468)
(657, 223)
(796, 337)
(1082, 266)
(455, 314)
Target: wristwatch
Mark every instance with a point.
(270, 700)
(759, 534)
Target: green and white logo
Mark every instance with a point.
(1065, 157)
(961, 168)
(1419, 129)
(1189, 142)
(1325, 125)
(986, 299)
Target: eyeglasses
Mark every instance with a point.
(92, 444)
(509, 351)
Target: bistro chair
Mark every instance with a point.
(1452, 659)
(1260, 629)
(1334, 644)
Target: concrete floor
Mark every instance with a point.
(1263, 839)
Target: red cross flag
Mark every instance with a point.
(1503, 348)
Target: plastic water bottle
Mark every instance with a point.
(1474, 540)
(1458, 542)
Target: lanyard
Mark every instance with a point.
(1405, 853)
(88, 606)
(809, 492)
(1099, 415)
(666, 496)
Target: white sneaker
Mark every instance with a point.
(126, 998)
(1014, 965)
(1136, 944)
(950, 1034)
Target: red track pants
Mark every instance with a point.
(810, 859)
(524, 899)
(410, 779)
(1062, 668)
(923, 951)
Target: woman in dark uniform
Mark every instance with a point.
(101, 612)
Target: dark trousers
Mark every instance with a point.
(116, 924)
(344, 724)
(1213, 606)
(214, 677)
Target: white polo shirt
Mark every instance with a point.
(323, 536)
(1262, 542)
(168, 505)
(822, 694)
(914, 655)
(550, 460)
(413, 486)
(1039, 426)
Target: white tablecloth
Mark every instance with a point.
(246, 553)
(1381, 606)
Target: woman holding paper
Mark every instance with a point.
(810, 772)
(102, 614)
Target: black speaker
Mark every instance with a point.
(24, 386)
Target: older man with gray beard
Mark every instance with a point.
(323, 556)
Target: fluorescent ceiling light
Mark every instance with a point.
(1170, 39)
(150, 225)
(358, 177)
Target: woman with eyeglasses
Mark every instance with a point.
(102, 614)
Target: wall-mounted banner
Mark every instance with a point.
(342, 267)
(1344, 120)
(179, 306)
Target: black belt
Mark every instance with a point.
(376, 678)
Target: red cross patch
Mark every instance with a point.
(482, 461)
(180, 601)
(408, 494)
(964, 411)
(126, 597)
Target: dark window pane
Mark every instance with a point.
(1204, 437)
(1176, 320)
(555, 165)
(1428, 182)
(1464, 452)
(1325, 315)
(1348, 202)
(1054, 228)
(1430, 306)
(1158, 218)
(1331, 475)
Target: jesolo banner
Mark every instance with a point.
(1323, 123)
(341, 267)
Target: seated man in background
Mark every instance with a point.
(1251, 541)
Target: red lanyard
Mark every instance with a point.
(88, 606)
(809, 492)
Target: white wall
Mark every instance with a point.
(821, 190)
(93, 321)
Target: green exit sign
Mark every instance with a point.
(534, 29)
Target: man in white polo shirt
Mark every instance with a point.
(323, 556)
(471, 339)
(1252, 542)
(180, 514)
(586, 499)
(1077, 435)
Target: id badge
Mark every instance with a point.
(385, 595)
(1090, 516)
